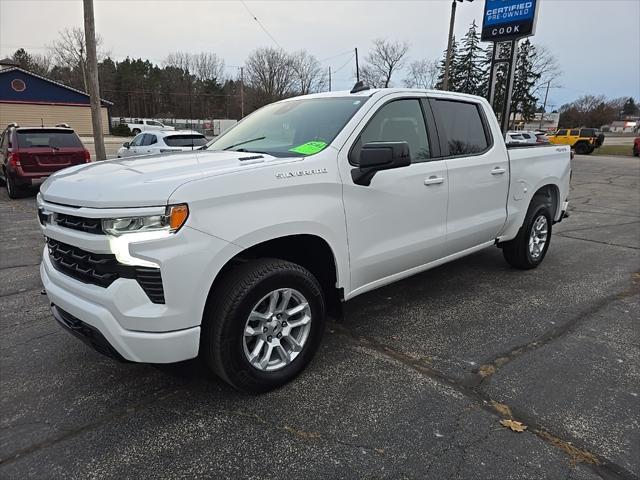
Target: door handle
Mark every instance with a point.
(498, 171)
(433, 180)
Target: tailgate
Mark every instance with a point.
(43, 151)
(48, 160)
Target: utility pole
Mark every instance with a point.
(329, 78)
(447, 63)
(241, 92)
(357, 67)
(93, 84)
(544, 106)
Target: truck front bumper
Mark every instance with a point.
(100, 329)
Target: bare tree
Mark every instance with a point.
(545, 65)
(422, 74)
(383, 61)
(204, 66)
(270, 75)
(70, 51)
(310, 76)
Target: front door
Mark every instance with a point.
(397, 223)
(135, 146)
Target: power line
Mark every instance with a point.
(336, 56)
(344, 64)
(261, 25)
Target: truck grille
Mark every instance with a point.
(89, 225)
(103, 269)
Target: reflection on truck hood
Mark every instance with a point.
(141, 181)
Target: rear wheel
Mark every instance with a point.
(263, 325)
(636, 151)
(530, 246)
(13, 190)
(582, 148)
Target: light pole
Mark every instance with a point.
(447, 62)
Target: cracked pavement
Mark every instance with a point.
(412, 383)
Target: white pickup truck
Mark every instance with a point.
(138, 125)
(235, 253)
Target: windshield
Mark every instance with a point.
(185, 140)
(48, 138)
(292, 128)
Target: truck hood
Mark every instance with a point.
(142, 181)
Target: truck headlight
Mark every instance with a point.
(173, 219)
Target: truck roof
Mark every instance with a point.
(372, 91)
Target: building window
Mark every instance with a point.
(18, 85)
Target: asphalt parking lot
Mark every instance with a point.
(412, 383)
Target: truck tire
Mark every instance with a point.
(530, 246)
(262, 325)
(582, 148)
(135, 131)
(13, 190)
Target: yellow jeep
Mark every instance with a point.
(583, 140)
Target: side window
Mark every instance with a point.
(562, 132)
(462, 126)
(149, 139)
(398, 121)
(136, 142)
(575, 132)
(2, 137)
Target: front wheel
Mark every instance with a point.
(530, 246)
(263, 325)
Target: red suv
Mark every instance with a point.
(28, 155)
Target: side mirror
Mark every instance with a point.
(126, 145)
(376, 156)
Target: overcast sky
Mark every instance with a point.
(597, 42)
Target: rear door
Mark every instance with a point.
(44, 151)
(478, 174)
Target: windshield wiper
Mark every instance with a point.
(242, 143)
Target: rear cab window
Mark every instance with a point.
(462, 126)
(47, 138)
(185, 140)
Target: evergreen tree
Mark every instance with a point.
(485, 65)
(630, 107)
(469, 65)
(523, 101)
(454, 69)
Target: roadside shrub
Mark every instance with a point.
(121, 130)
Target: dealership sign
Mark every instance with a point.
(508, 19)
